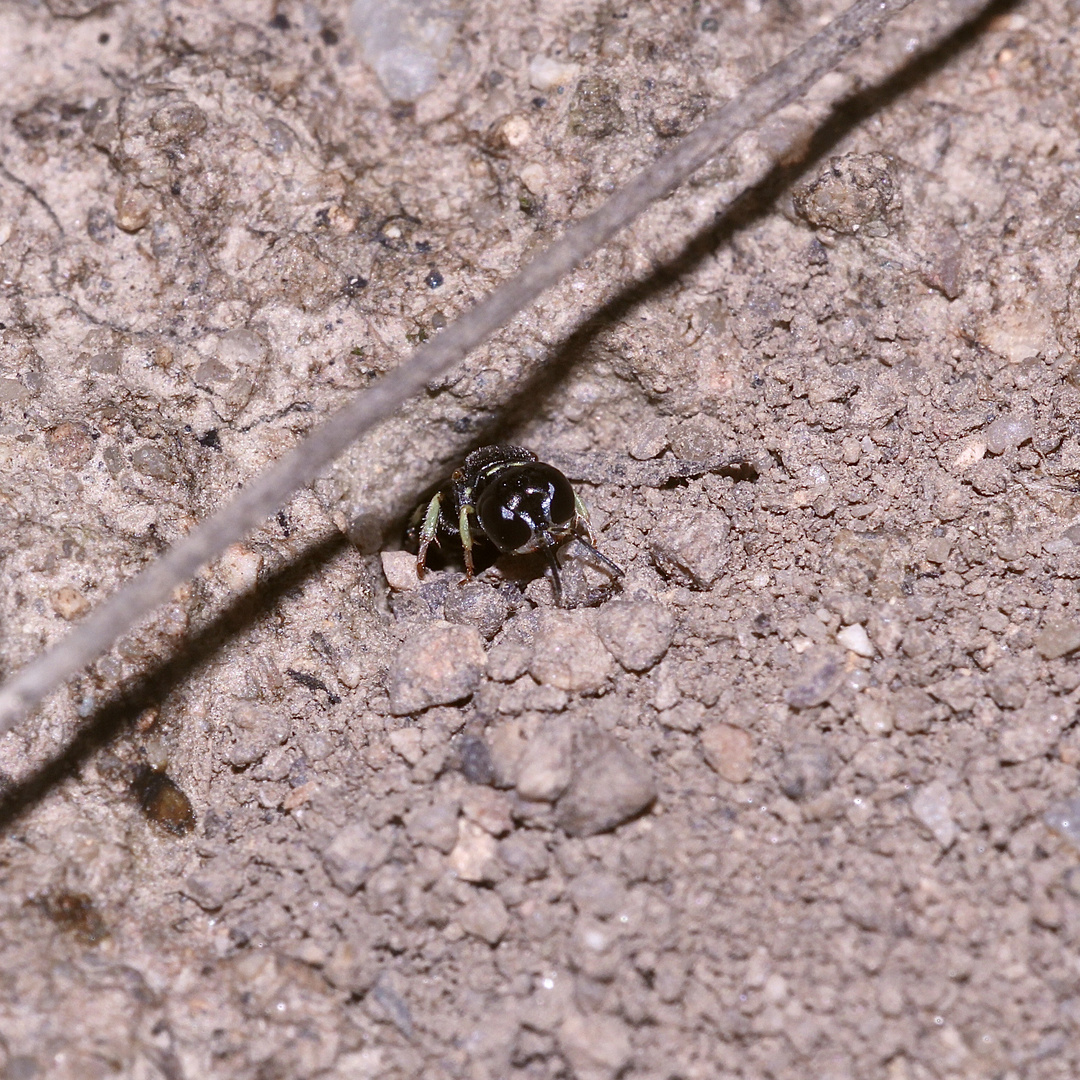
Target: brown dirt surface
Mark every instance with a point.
(777, 805)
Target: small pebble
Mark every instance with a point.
(152, 461)
(729, 752)
(699, 439)
(913, 710)
(435, 825)
(489, 809)
(568, 654)
(525, 855)
(436, 665)
(1033, 731)
(683, 716)
(474, 760)
(1008, 687)
(596, 1047)
(1064, 819)
(546, 766)
(353, 966)
(1007, 432)
(353, 855)
(69, 603)
(990, 478)
(477, 604)
(545, 73)
(597, 893)
(405, 43)
(932, 807)
(648, 441)
(856, 639)
(694, 550)
(399, 569)
(820, 676)
(485, 916)
(69, 445)
(214, 883)
(388, 991)
(595, 111)
(406, 743)
(855, 192)
(806, 771)
(609, 786)
(874, 716)
(1058, 639)
(474, 857)
(508, 660)
(638, 633)
(506, 745)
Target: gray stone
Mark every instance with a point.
(806, 771)
(913, 710)
(485, 916)
(1033, 731)
(1007, 432)
(610, 785)
(435, 825)
(597, 893)
(820, 676)
(595, 1047)
(1058, 639)
(215, 883)
(477, 604)
(546, 766)
(524, 855)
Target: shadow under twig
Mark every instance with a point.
(152, 686)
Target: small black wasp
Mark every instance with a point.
(506, 495)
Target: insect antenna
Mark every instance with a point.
(617, 570)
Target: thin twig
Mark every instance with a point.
(774, 89)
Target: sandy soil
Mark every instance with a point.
(775, 807)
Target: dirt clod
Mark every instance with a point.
(567, 653)
(637, 634)
(436, 665)
(729, 751)
(692, 551)
(353, 855)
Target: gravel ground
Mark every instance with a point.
(793, 799)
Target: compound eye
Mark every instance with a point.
(559, 498)
(502, 520)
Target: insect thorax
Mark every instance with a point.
(482, 466)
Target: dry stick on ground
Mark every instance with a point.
(774, 89)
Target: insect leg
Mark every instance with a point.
(589, 540)
(466, 539)
(428, 531)
(556, 582)
(583, 521)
